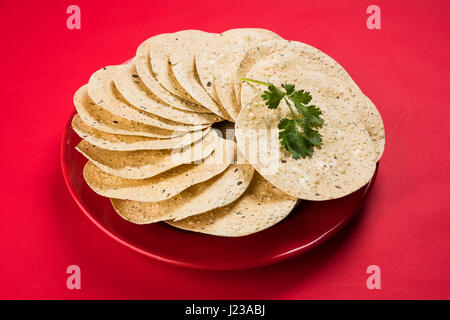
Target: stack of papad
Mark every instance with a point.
(150, 132)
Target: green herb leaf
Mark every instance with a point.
(300, 97)
(290, 88)
(273, 96)
(300, 143)
(313, 136)
(293, 140)
(311, 115)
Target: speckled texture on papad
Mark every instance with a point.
(142, 164)
(103, 92)
(205, 61)
(122, 142)
(182, 65)
(165, 185)
(132, 88)
(160, 48)
(145, 72)
(216, 192)
(288, 54)
(226, 52)
(101, 119)
(261, 206)
(346, 160)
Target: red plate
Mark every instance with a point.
(310, 224)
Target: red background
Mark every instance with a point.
(403, 227)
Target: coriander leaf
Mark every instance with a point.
(300, 97)
(300, 143)
(290, 88)
(286, 124)
(314, 114)
(311, 115)
(273, 96)
(293, 140)
(313, 136)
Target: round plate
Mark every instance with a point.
(310, 224)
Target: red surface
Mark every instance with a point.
(310, 224)
(404, 226)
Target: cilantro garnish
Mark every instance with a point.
(298, 135)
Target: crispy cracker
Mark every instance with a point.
(122, 142)
(103, 92)
(162, 186)
(260, 207)
(145, 72)
(293, 53)
(216, 192)
(131, 87)
(345, 162)
(142, 164)
(103, 120)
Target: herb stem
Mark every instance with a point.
(255, 81)
(290, 108)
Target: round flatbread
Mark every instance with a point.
(142, 164)
(132, 88)
(160, 48)
(260, 207)
(100, 119)
(103, 92)
(216, 192)
(286, 54)
(145, 72)
(346, 160)
(226, 52)
(205, 61)
(122, 142)
(165, 185)
(182, 63)
(247, 35)
(288, 61)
